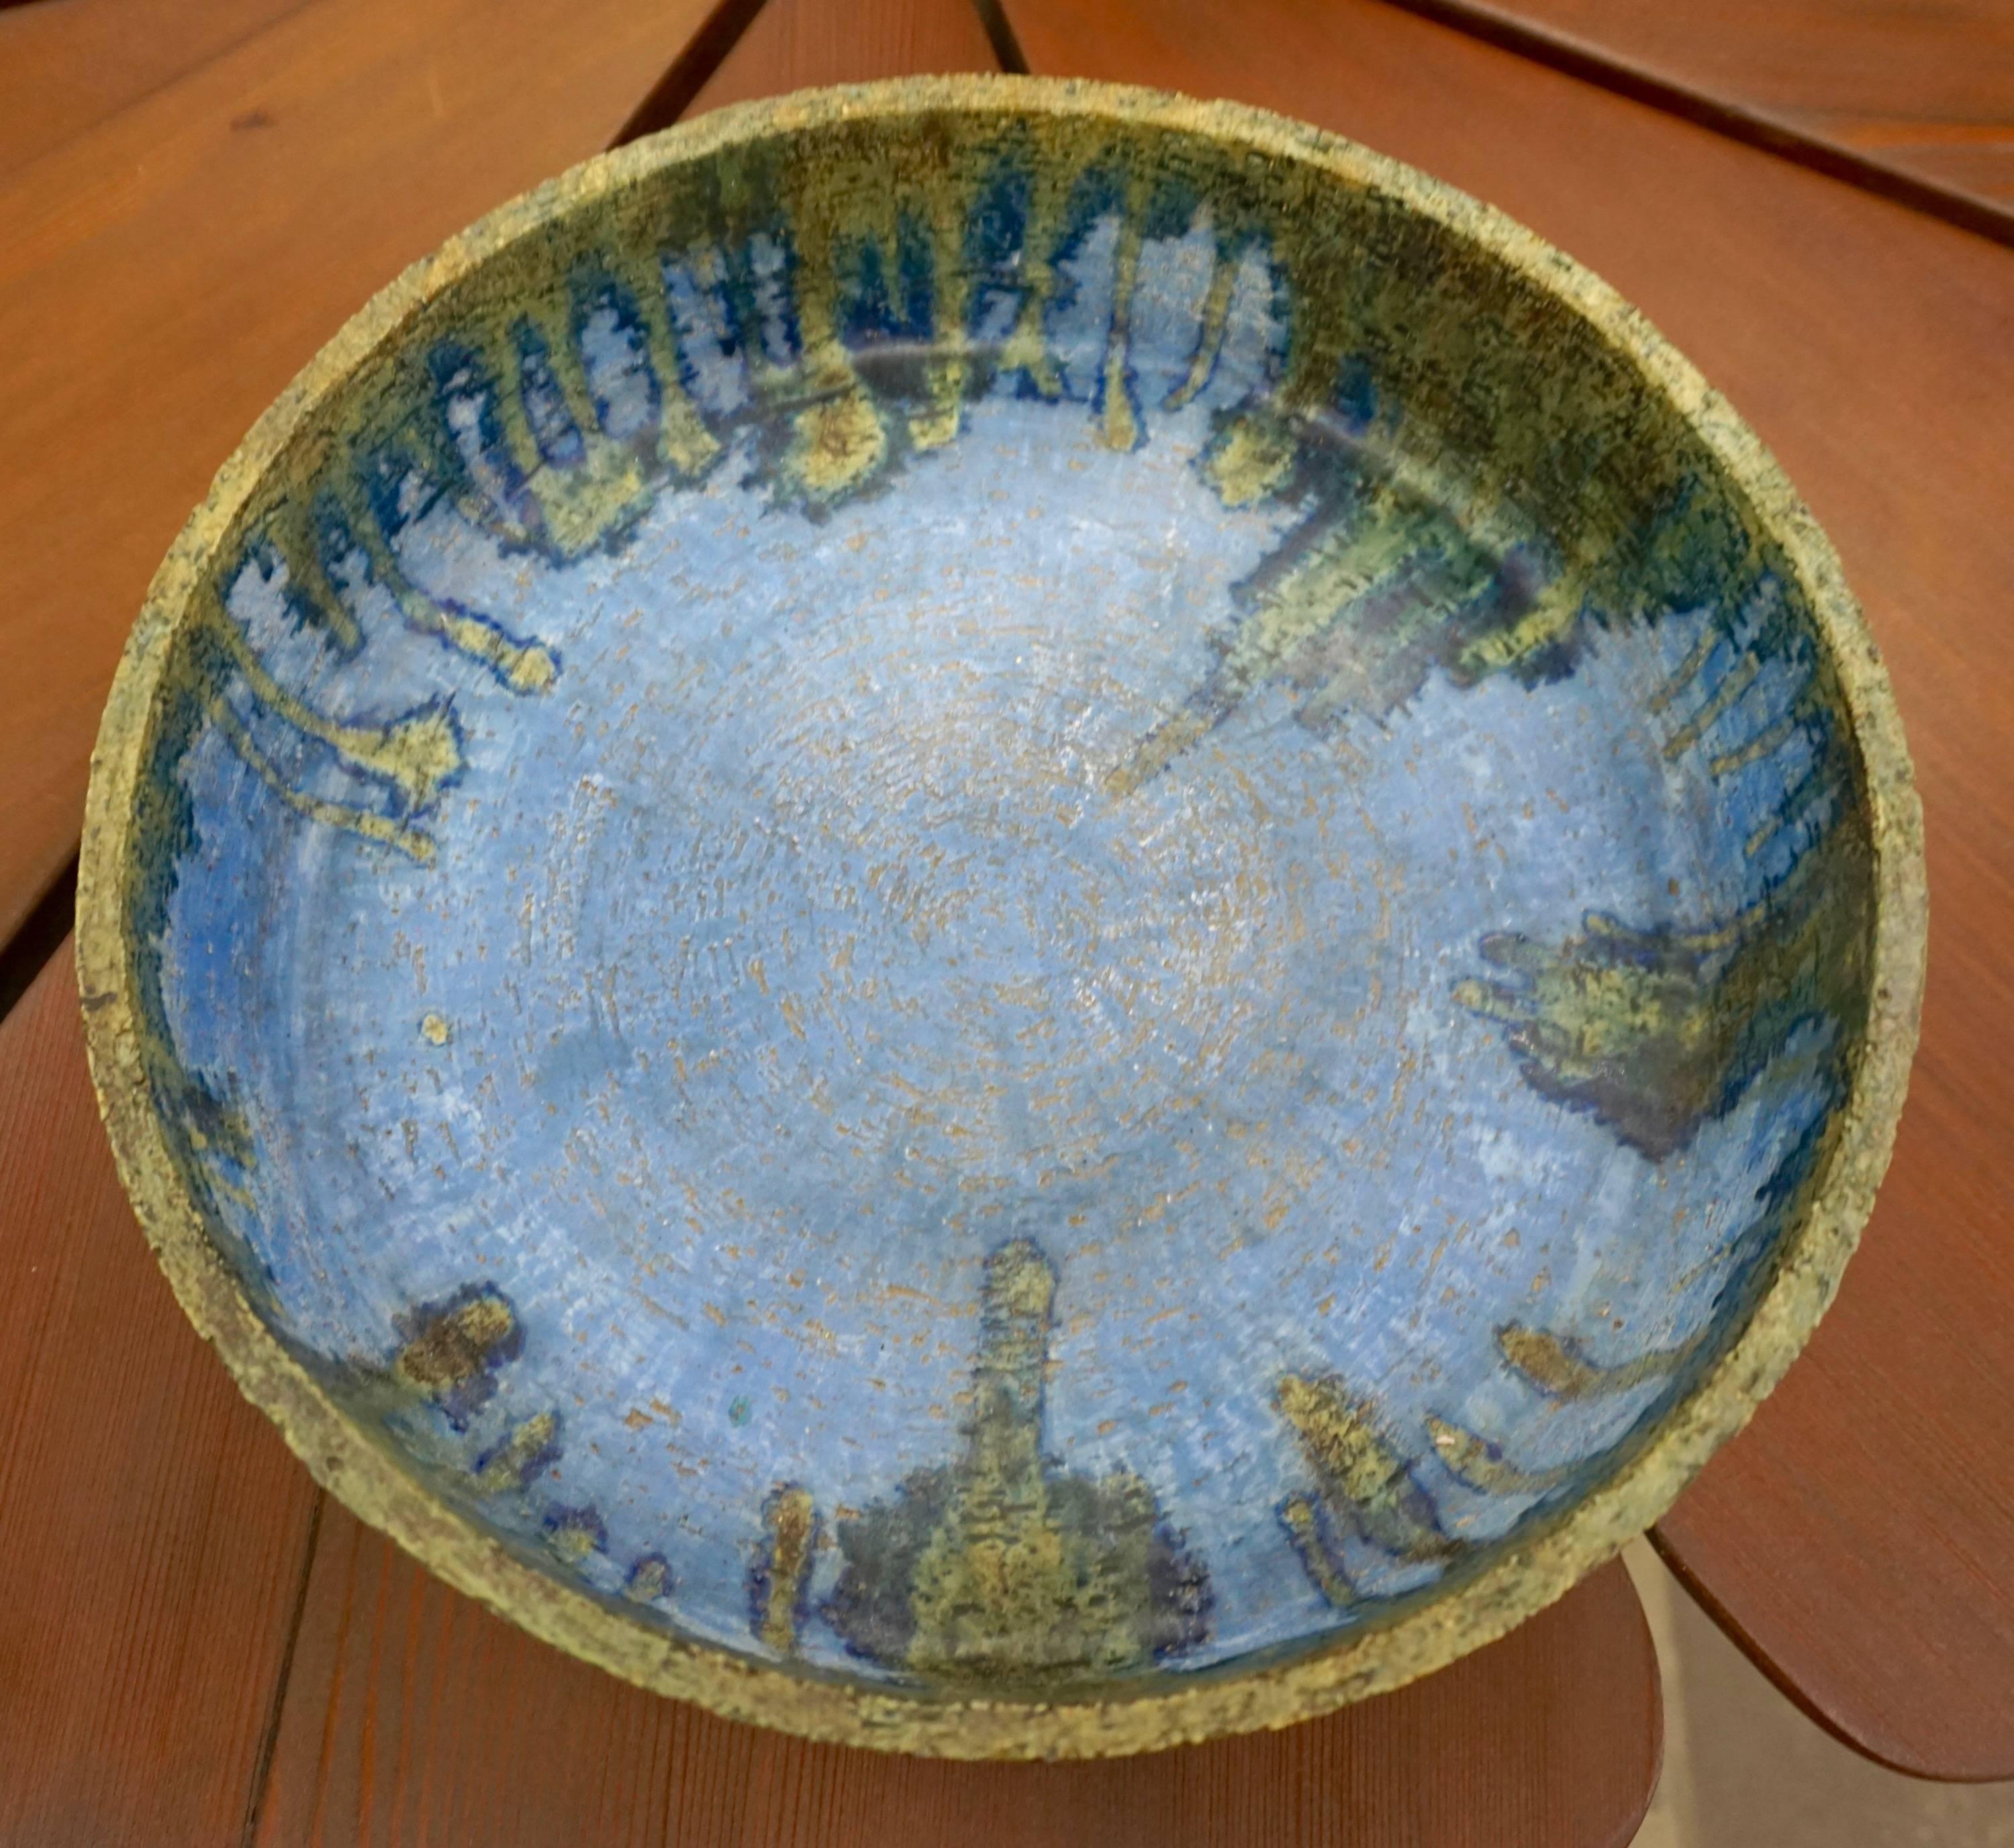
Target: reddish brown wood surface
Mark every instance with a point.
(1873, 1583)
(793, 43)
(1914, 100)
(413, 1715)
(154, 1529)
(66, 66)
(163, 275)
(1860, 1537)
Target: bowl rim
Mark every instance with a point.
(1529, 1574)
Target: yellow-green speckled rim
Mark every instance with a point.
(1530, 1573)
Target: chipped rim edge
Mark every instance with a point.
(1529, 1576)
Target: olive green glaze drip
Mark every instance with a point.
(948, 373)
(1654, 1032)
(556, 322)
(1819, 783)
(520, 1457)
(1766, 741)
(1251, 456)
(573, 1533)
(1482, 1465)
(1303, 1525)
(364, 823)
(1734, 684)
(1119, 420)
(293, 534)
(452, 1350)
(1002, 1566)
(583, 505)
(523, 666)
(1352, 610)
(649, 1579)
(838, 441)
(1560, 1366)
(415, 755)
(1215, 320)
(684, 446)
(1363, 1482)
(1025, 349)
(783, 1578)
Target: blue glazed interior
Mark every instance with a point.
(1052, 994)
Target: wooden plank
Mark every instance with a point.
(1916, 102)
(1885, 1458)
(796, 43)
(413, 1715)
(67, 66)
(155, 1530)
(1858, 1537)
(163, 275)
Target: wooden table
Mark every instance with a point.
(202, 1649)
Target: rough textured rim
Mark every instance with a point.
(1529, 1576)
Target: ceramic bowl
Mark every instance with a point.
(1002, 918)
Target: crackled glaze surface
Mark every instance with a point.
(1006, 905)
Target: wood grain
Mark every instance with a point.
(1917, 102)
(164, 274)
(66, 66)
(155, 1530)
(1888, 1614)
(413, 1716)
(1858, 1539)
(793, 43)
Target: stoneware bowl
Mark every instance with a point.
(1002, 918)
